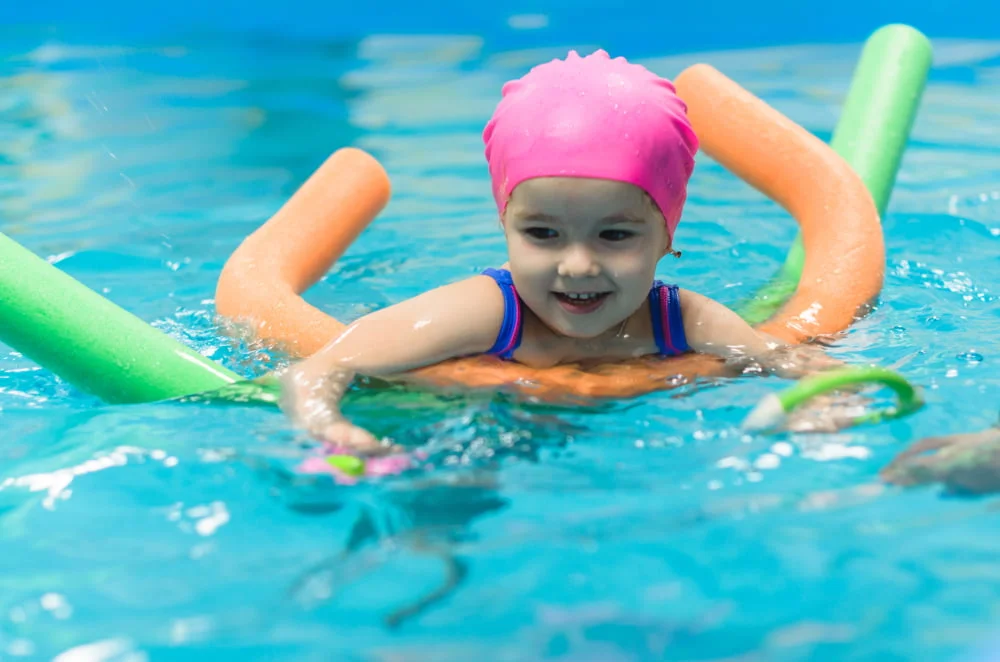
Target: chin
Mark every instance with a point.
(571, 331)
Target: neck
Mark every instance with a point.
(613, 335)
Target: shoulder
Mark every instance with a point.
(715, 328)
(702, 315)
(694, 303)
(479, 293)
(700, 307)
(474, 305)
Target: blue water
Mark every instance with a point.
(652, 529)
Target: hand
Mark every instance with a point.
(344, 436)
(310, 401)
(796, 361)
(828, 412)
(968, 463)
(305, 400)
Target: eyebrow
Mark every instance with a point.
(623, 218)
(541, 217)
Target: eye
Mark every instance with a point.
(617, 235)
(541, 233)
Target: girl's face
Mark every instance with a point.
(583, 252)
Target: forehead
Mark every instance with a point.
(578, 196)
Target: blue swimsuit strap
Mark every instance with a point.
(509, 338)
(668, 325)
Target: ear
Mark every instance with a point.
(668, 249)
(668, 240)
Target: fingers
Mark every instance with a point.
(351, 436)
(915, 470)
(347, 436)
(921, 447)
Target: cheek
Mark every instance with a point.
(530, 267)
(636, 262)
(528, 259)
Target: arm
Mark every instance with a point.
(712, 328)
(455, 320)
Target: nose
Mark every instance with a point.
(578, 262)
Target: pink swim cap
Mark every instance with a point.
(593, 117)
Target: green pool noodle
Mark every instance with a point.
(92, 343)
(773, 409)
(871, 136)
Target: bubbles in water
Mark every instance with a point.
(971, 357)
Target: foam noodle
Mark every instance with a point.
(263, 280)
(845, 251)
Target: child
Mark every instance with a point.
(589, 159)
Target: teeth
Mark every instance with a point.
(580, 297)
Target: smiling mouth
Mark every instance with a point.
(581, 302)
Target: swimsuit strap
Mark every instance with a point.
(668, 325)
(509, 338)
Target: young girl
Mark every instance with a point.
(589, 159)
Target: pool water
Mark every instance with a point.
(647, 529)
